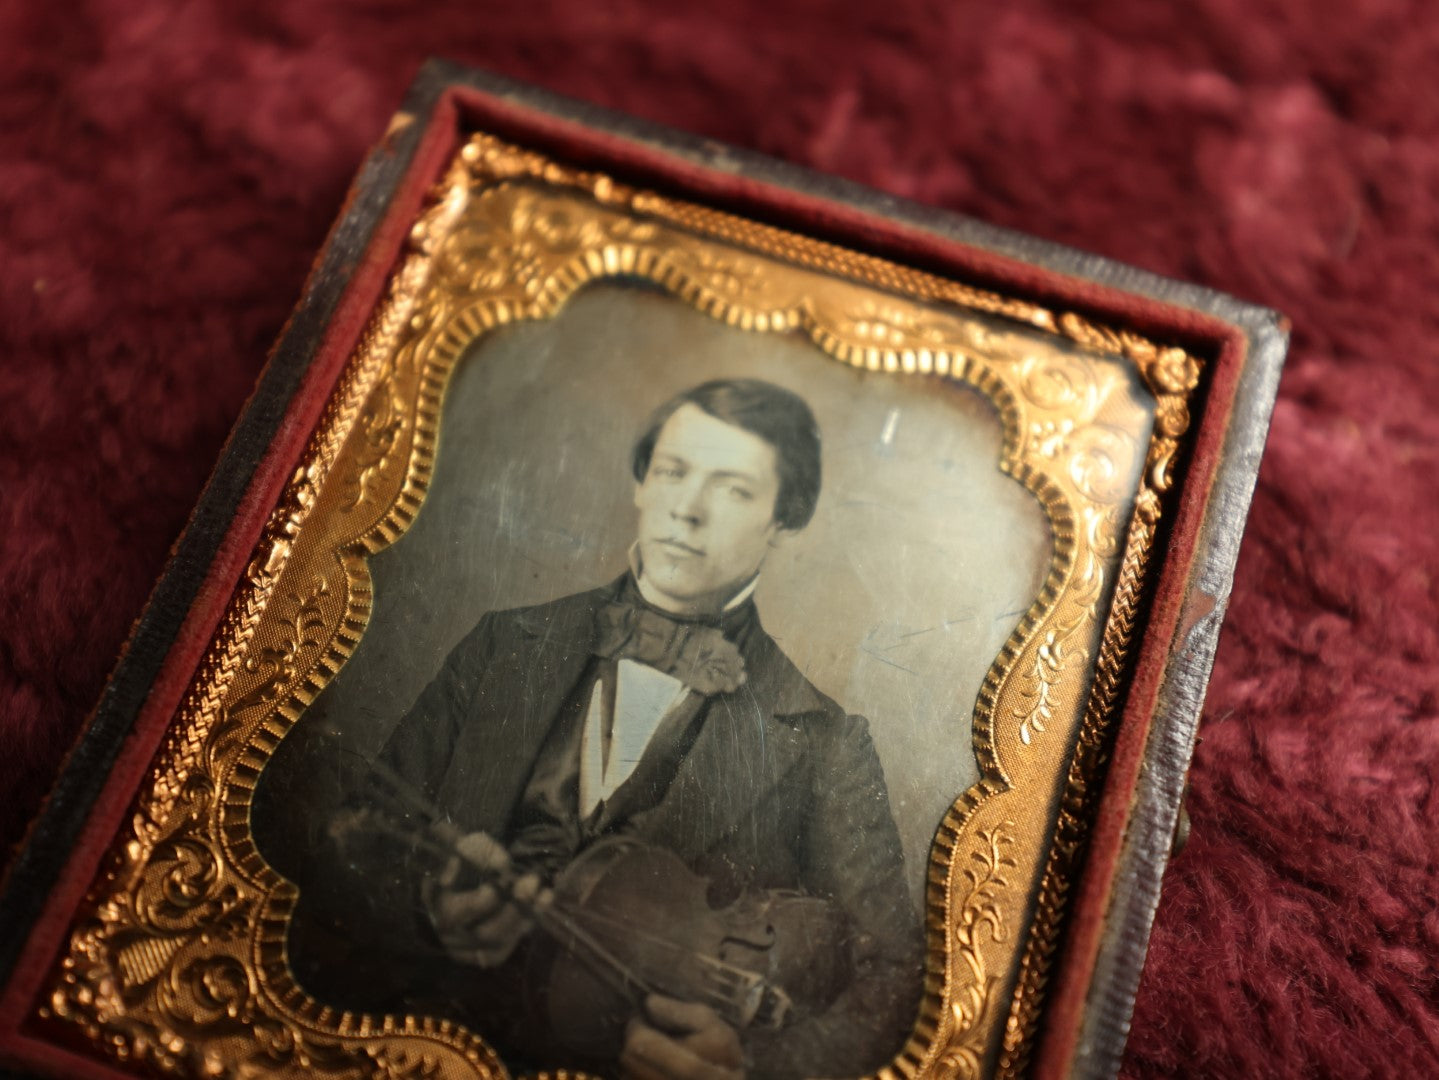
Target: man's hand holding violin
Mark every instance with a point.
(483, 923)
(678, 1040)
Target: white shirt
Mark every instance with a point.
(644, 696)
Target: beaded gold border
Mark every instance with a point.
(178, 964)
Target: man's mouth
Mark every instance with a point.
(680, 546)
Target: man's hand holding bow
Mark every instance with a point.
(481, 924)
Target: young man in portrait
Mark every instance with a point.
(658, 710)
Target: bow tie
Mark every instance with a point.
(700, 657)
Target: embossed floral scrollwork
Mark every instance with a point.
(481, 261)
(1170, 371)
(1049, 438)
(565, 232)
(182, 810)
(380, 427)
(1104, 529)
(494, 251)
(978, 917)
(1039, 691)
(1086, 592)
(1040, 694)
(269, 672)
(513, 239)
(735, 277)
(1066, 384)
(206, 991)
(180, 886)
(284, 525)
(890, 326)
(1099, 458)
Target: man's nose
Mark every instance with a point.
(689, 504)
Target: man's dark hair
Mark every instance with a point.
(776, 415)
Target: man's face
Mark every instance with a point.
(706, 510)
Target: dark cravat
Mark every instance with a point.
(547, 833)
(699, 656)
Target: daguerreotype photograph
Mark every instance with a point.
(683, 649)
(672, 679)
(663, 695)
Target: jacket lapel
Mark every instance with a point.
(528, 682)
(747, 745)
(657, 766)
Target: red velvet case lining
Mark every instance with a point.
(463, 109)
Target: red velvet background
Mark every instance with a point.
(168, 170)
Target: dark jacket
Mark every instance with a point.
(780, 789)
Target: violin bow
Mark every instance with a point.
(442, 840)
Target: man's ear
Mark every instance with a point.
(782, 536)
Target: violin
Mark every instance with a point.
(626, 919)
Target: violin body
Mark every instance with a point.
(629, 919)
